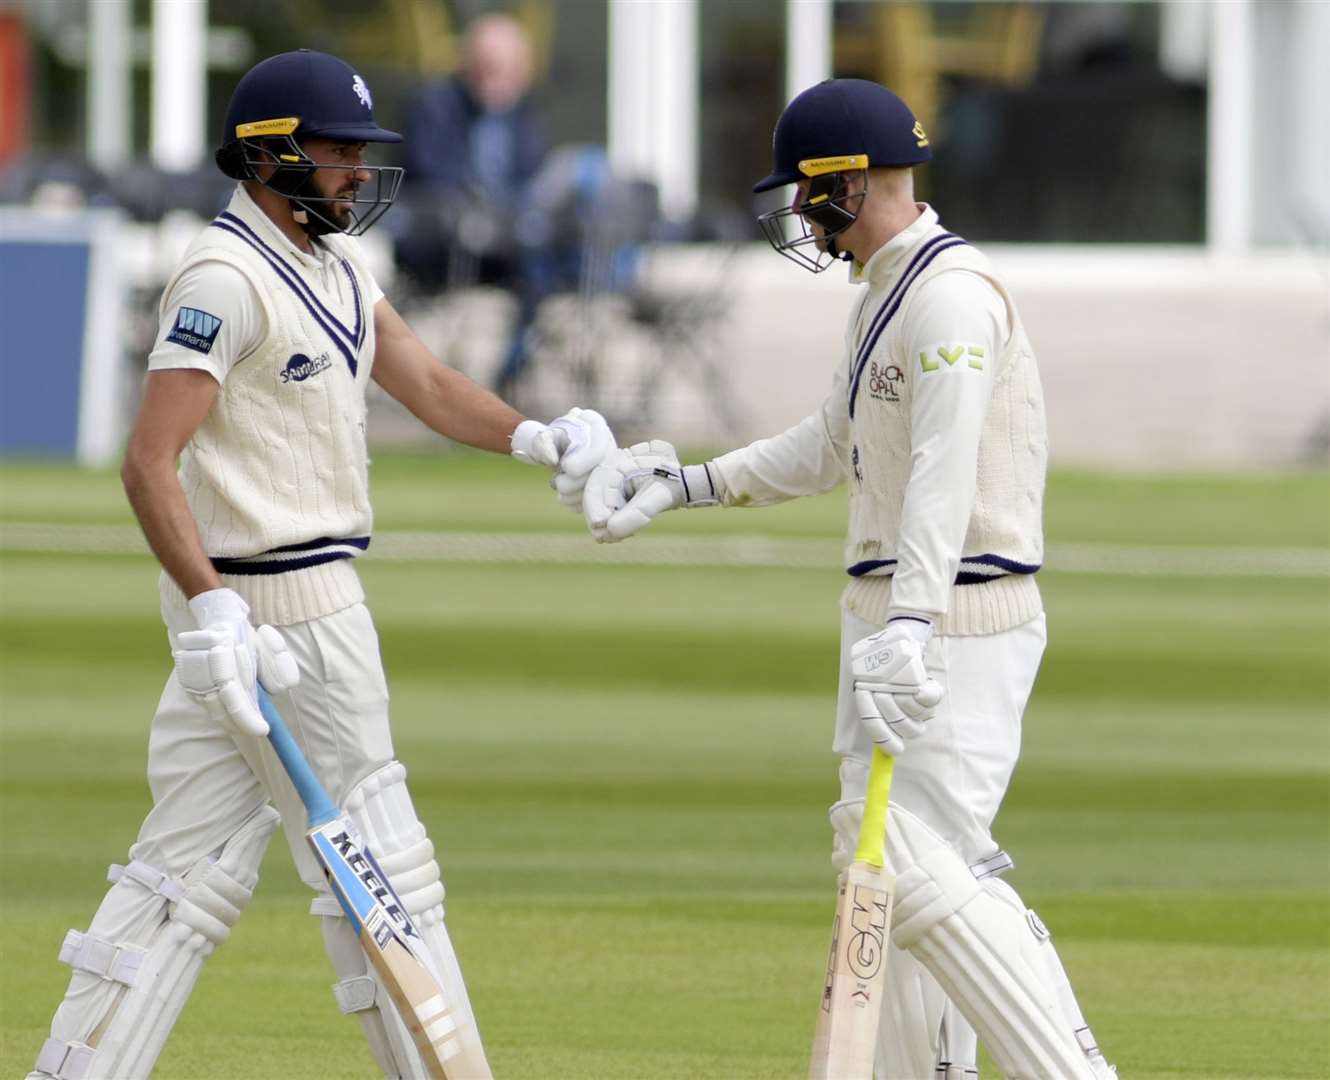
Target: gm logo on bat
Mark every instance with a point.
(869, 923)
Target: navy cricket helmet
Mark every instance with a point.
(294, 96)
(837, 127)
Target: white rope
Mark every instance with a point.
(734, 550)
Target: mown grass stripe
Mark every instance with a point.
(734, 550)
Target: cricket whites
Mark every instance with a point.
(845, 1038)
(391, 942)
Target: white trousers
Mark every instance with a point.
(193, 868)
(205, 781)
(954, 775)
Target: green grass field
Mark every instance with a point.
(625, 770)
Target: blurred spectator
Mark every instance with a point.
(473, 145)
(475, 132)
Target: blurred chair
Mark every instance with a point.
(607, 333)
(686, 327)
(56, 180)
(912, 50)
(415, 34)
(583, 231)
(148, 194)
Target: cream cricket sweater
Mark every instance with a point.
(277, 473)
(936, 421)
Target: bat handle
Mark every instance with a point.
(872, 833)
(318, 804)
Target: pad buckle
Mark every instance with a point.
(105, 959)
(998, 863)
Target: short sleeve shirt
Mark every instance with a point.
(213, 318)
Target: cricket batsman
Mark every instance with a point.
(935, 420)
(271, 329)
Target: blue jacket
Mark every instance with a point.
(439, 142)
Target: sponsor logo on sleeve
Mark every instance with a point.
(945, 357)
(195, 329)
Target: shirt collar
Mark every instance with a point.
(248, 211)
(888, 260)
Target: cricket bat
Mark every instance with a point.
(389, 938)
(845, 1038)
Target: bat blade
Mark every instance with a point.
(817, 1065)
(449, 1050)
(845, 1037)
(851, 1004)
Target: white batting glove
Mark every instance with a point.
(573, 445)
(892, 690)
(846, 817)
(219, 663)
(632, 486)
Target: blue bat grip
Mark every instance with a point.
(318, 804)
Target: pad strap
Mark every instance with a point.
(1087, 1041)
(149, 877)
(326, 904)
(355, 994)
(997, 863)
(64, 1061)
(105, 959)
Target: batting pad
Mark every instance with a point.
(1057, 978)
(382, 809)
(979, 947)
(137, 963)
(907, 1034)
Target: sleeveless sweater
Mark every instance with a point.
(276, 475)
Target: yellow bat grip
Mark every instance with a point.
(873, 831)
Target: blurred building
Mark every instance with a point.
(1134, 121)
(1100, 137)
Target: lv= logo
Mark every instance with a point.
(951, 355)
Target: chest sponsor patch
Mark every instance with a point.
(301, 367)
(884, 381)
(195, 329)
